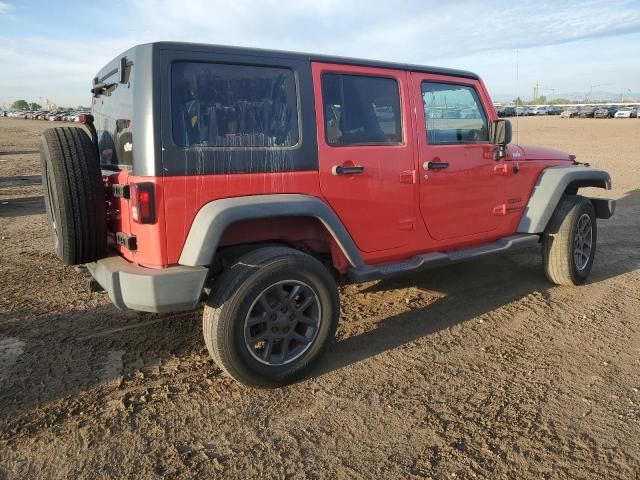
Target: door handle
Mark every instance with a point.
(435, 165)
(340, 170)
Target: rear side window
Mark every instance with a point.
(361, 110)
(219, 105)
(453, 114)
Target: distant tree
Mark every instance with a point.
(560, 101)
(35, 106)
(20, 105)
(517, 101)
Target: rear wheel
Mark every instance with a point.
(569, 242)
(74, 194)
(270, 316)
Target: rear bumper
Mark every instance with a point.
(147, 289)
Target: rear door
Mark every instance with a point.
(366, 153)
(461, 186)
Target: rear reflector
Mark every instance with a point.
(142, 202)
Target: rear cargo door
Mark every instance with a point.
(366, 152)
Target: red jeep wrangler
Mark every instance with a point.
(251, 179)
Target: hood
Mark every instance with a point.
(530, 152)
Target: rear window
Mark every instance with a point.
(220, 105)
(361, 110)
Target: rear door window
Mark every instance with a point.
(361, 110)
(453, 114)
(220, 105)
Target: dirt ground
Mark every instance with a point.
(482, 370)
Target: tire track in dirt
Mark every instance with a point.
(480, 369)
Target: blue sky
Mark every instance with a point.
(52, 49)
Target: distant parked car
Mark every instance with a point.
(522, 111)
(507, 111)
(627, 112)
(570, 112)
(587, 112)
(447, 112)
(539, 110)
(605, 112)
(554, 110)
(470, 113)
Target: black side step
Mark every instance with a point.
(436, 259)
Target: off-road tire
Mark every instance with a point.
(232, 297)
(74, 194)
(558, 242)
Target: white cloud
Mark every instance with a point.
(411, 30)
(460, 33)
(5, 7)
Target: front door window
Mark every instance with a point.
(453, 114)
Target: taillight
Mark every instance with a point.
(142, 202)
(85, 118)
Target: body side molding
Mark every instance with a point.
(549, 188)
(214, 217)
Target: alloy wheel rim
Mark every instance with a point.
(282, 323)
(583, 242)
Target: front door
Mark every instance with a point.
(461, 186)
(366, 153)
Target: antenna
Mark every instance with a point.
(518, 93)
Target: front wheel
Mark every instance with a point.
(569, 242)
(270, 316)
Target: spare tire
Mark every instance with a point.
(74, 194)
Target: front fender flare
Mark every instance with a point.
(214, 217)
(551, 185)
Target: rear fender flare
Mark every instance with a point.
(552, 183)
(214, 217)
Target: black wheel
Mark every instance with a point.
(270, 316)
(569, 242)
(74, 194)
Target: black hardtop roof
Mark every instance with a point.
(260, 52)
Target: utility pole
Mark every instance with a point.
(552, 90)
(592, 87)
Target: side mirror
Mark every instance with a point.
(500, 136)
(501, 132)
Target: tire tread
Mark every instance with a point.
(216, 328)
(558, 239)
(80, 194)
